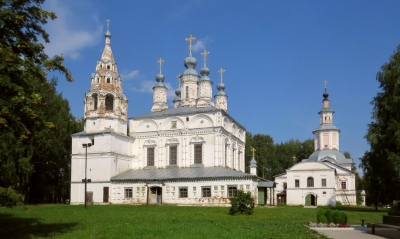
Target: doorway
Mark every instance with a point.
(105, 194)
(311, 200)
(155, 195)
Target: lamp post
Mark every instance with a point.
(62, 172)
(86, 146)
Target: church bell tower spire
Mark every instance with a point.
(189, 78)
(204, 86)
(221, 99)
(326, 135)
(106, 106)
(160, 92)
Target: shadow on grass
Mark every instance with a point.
(356, 209)
(17, 227)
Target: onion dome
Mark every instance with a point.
(178, 91)
(108, 34)
(221, 86)
(325, 95)
(160, 77)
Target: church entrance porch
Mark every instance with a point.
(311, 200)
(155, 195)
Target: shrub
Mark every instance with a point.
(320, 213)
(329, 215)
(339, 217)
(10, 198)
(242, 203)
(338, 203)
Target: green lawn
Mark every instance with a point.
(126, 221)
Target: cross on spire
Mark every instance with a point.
(108, 24)
(294, 159)
(190, 39)
(221, 71)
(160, 61)
(253, 150)
(205, 53)
(325, 83)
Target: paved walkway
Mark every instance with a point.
(358, 232)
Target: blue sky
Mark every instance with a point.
(276, 55)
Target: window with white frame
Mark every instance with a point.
(323, 182)
(206, 192)
(198, 153)
(183, 192)
(296, 183)
(173, 152)
(128, 192)
(232, 191)
(310, 182)
(343, 185)
(150, 156)
(173, 124)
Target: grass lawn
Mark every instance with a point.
(126, 221)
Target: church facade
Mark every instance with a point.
(192, 153)
(325, 177)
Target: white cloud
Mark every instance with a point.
(201, 44)
(147, 87)
(130, 75)
(65, 37)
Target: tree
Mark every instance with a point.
(381, 164)
(23, 70)
(242, 203)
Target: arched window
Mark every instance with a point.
(198, 153)
(108, 67)
(109, 102)
(187, 91)
(98, 80)
(95, 101)
(310, 182)
(108, 80)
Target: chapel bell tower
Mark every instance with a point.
(106, 105)
(327, 134)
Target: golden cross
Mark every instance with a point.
(325, 83)
(108, 24)
(160, 61)
(253, 150)
(220, 72)
(190, 39)
(205, 53)
(294, 158)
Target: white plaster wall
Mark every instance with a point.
(97, 124)
(170, 192)
(96, 187)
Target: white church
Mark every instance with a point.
(192, 153)
(326, 176)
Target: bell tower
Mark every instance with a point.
(326, 135)
(106, 106)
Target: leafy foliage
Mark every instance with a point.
(35, 122)
(381, 164)
(339, 217)
(329, 215)
(10, 198)
(242, 203)
(273, 158)
(321, 216)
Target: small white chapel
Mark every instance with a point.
(192, 153)
(326, 176)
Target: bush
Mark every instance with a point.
(329, 215)
(338, 203)
(10, 198)
(242, 203)
(339, 217)
(320, 214)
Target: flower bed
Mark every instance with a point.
(329, 224)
